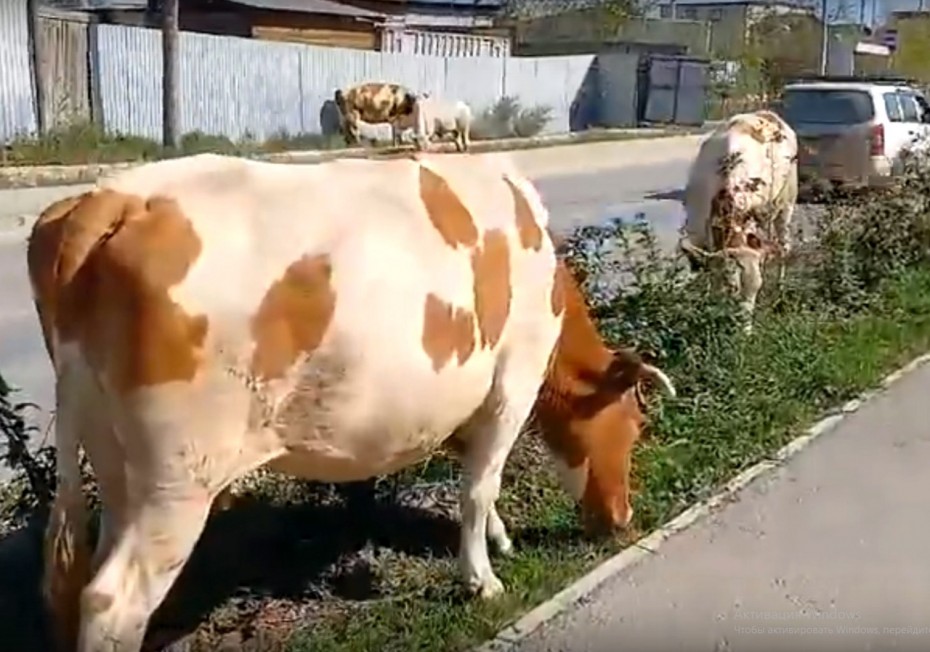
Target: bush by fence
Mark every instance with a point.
(851, 306)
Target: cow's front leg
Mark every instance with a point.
(488, 437)
(783, 238)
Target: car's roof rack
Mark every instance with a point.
(887, 78)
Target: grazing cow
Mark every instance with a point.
(741, 195)
(591, 409)
(436, 117)
(374, 103)
(207, 316)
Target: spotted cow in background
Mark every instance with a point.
(434, 117)
(207, 316)
(741, 194)
(372, 103)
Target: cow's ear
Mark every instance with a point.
(623, 371)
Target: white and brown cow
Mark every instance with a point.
(741, 194)
(207, 316)
(436, 117)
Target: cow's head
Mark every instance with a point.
(407, 103)
(742, 249)
(591, 410)
(590, 421)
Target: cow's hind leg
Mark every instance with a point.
(67, 563)
(175, 468)
(141, 566)
(489, 437)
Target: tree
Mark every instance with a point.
(602, 17)
(38, 63)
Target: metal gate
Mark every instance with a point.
(675, 88)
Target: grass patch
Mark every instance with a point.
(82, 143)
(301, 566)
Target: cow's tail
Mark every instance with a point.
(67, 553)
(63, 237)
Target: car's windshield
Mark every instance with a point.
(827, 106)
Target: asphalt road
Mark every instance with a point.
(826, 554)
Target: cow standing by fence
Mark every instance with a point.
(436, 117)
(374, 103)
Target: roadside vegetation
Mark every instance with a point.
(83, 142)
(299, 566)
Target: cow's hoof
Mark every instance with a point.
(486, 588)
(504, 546)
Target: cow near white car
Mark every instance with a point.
(740, 198)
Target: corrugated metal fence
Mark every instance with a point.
(17, 100)
(244, 87)
(235, 86)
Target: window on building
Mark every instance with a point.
(715, 14)
(665, 11)
(688, 13)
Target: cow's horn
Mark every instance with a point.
(659, 375)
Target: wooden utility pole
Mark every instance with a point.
(38, 64)
(824, 37)
(171, 69)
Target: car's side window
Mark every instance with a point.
(924, 107)
(893, 107)
(909, 107)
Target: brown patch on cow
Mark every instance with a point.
(293, 316)
(762, 126)
(531, 234)
(446, 211)
(771, 118)
(103, 270)
(557, 293)
(749, 127)
(447, 330)
(490, 264)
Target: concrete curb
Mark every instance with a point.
(13, 177)
(509, 637)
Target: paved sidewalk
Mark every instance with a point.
(835, 544)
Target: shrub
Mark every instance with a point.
(33, 478)
(507, 119)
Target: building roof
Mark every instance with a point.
(95, 5)
(800, 4)
(329, 7)
(347, 9)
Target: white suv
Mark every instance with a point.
(852, 131)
